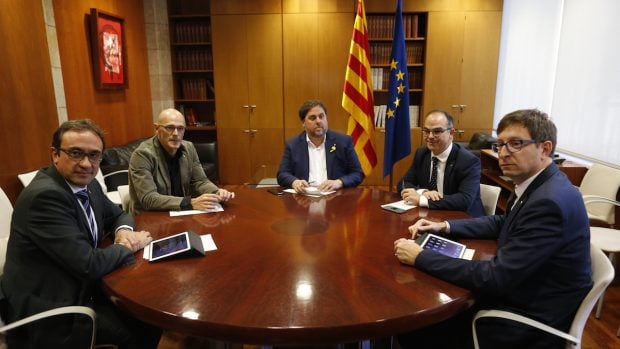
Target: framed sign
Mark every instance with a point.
(108, 50)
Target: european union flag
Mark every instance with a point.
(397, 139)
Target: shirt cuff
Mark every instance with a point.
(123, 227)
(423, 201)
(186, 203)
(447, 227)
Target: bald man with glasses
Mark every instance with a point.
(165, 173)
(443, 175)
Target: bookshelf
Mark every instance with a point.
(381, 31)
(192, 63)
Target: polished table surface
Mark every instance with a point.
(291, 270)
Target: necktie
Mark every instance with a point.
(433, 183)
(82, 195)
(511, 202)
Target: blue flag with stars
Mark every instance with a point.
(397, 139)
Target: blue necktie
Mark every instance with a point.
(433, 184)
(82, 195)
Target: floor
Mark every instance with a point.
(599, 333)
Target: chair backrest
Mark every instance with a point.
(602, 275)
(123, 191)
(6, 211)
(26, 178)
(601, 180)
(489, 194)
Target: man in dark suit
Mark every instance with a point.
(443, 175)
(53, 254)
(318, 157)
(542, 268)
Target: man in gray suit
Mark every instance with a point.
(54, 257)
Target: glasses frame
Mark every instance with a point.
(171, 128)
(513, 145)
(78, 155)
(436, 131)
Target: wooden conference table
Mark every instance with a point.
(291, 270)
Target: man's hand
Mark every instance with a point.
(411, 196)
(330, 184)
(299, 185)
(206, 201)
(433, 195)
(225, 195)
(134, 240)
(406, 251)
(424, 225)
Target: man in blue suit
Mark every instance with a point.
(455, 183)
(542, 269)
(318, 157)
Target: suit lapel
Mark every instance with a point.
(329, 154)
(448, 171)
(522, 200)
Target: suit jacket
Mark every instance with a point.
(149, 182)
(51, 261)
(461, 180)
(542, 268)
(341, 160)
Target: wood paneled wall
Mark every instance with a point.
(28, 108)
(124, 114)
(28, 114)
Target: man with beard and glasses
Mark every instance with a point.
(165, 172)
(318, 157)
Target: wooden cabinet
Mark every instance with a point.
(461, 68)
(248, 68)
(492, 174)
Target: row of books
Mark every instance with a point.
(194, 60)
(381, 53)
(382, 27)
(381, 78)
(196, 89)
(191, 32)
(194, 118)
(381, 110)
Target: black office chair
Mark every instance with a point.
(207, 152)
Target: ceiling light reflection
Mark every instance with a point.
(304, 291)
(190, 314)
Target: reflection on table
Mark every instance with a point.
(291, 270)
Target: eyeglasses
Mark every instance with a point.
(513, 145)
(77, 155)
(171, 128)
(436, 131)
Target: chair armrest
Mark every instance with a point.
(53, 312)
(588, 199)
(518, 318)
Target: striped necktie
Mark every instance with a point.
(82, 195)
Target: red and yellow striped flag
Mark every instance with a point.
(357, 97)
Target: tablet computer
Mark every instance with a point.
(183, 243)
(442, 245)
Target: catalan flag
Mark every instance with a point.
(397, 138)
(357, 97)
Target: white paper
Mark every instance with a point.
(207, 243)
(314, 194)
(218, 208)
(468, 254)
(400, 204)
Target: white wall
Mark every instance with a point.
(562, 57)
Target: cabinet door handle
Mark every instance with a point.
(246, 131)
(253, 131)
